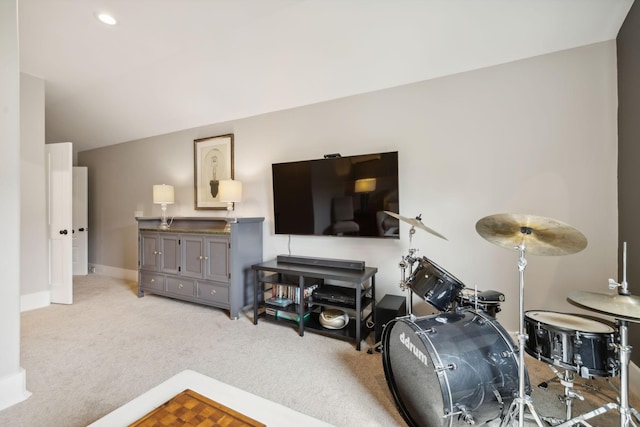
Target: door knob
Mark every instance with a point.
(81, 229)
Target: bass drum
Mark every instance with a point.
(450, 369)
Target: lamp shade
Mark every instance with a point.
(365, 185)
(230, 190)
(163, 194)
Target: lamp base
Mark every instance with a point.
(164, 225)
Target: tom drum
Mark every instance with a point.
(434, 284)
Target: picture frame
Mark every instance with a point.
(213, 161)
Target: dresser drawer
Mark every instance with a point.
(181, 287)
(152, 282)
(213, 292)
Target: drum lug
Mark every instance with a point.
(577, 341)
(427, 331)
(463, 414)
(449, 367)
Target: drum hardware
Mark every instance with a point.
(408, 260)
(539, 236)
(487, 301)
(567, 380)
(624, 308)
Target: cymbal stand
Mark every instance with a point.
(518, 404)
(624, 354)
(407, 262)
(624, 350)
(567, 381)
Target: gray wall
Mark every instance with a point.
(536, 136)
(629, 155)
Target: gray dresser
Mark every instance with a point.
(200, 261)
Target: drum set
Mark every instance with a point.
(478, 371)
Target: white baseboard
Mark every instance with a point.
(35, 300)
(118, 273)
(13, 389)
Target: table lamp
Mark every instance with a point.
(163, 195)
(230, 192)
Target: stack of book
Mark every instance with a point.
(284, 295)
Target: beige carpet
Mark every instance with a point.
(86, 359)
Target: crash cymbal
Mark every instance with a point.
(625, 307)
(540, 235)
(415, 222)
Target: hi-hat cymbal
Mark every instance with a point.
(538, 234)
(625, 307)
(415, 222)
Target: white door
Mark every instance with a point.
(80, 251)
(59, 220)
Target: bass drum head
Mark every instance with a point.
(450, 369)
(410, 375)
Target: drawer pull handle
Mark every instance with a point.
(180, 285)
(200, 257)
(206, 258)
(159, 252)
(153, 280)
(213, 291)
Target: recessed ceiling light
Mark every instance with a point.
(107, 19)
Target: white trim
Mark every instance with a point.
(250, 405)
(13, 389)
(118, 273)
(35, 300)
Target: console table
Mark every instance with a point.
(200, 260)
(306, 313)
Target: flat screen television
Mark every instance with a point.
(337, 196)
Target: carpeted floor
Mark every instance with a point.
(86, 359)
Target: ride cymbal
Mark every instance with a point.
(415, 222)
(538, 234)
(625, 307)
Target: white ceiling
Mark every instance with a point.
(176, 64)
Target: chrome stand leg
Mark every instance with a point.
(523, 399)
(623, 407)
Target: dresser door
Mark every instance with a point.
(217, 258)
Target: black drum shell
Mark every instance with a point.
(586, 352)
(434, 284)
(435, 365)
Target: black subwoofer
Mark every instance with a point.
(390, 307)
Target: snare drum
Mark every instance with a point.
(450, 369)
(573, 342)
(434, 284)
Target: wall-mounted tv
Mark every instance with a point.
(337, 196)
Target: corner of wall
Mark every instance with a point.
(35, 300)
(118, 273)
(13, 389)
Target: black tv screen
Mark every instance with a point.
(338, 196)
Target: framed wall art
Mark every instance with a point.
(213, 161)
